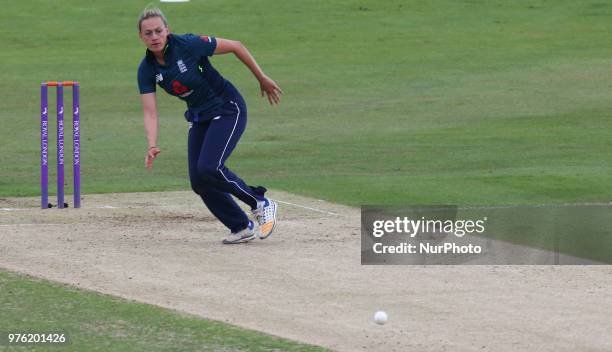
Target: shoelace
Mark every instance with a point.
(264, 214)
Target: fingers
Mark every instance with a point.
(150, 156)
(277, 95)
(274, 95)
(277, 89)
(272, 91)
(149, 162)
(275, 98)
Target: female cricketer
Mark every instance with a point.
(217, 116)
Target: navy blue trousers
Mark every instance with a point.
(210, 143)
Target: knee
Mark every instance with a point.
(198, 188)
(200, 182)
(208, 173)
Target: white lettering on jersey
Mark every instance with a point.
(181, 66)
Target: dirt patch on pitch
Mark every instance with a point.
(306, 281)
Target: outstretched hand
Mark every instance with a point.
(271, 89)
(151, 155)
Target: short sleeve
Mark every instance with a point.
(202, 45)
(146, 78)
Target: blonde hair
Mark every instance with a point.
(150, 12)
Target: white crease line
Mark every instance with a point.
(24, 209)
(45, 224)
(309, 208)
(15, 209)
(170, 206)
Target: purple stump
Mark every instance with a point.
(44, 147)
(76, 145)
(60, 146)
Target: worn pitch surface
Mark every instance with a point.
(305, 282)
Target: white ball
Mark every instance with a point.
(380, 317)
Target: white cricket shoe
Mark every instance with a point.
(246, 235)
(265, 214)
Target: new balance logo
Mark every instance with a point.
(159, 78)
(185, 95)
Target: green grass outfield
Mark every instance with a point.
(386, 102)
(390, 102)
(96, 322)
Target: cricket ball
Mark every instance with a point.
(380, 317)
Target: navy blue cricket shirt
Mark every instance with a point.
(188, 75)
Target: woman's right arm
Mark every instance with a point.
(149, 106)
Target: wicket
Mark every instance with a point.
(76, 142)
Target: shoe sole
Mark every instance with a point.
(273, 223)
(242, 240)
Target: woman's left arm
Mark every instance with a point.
(267, 85)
